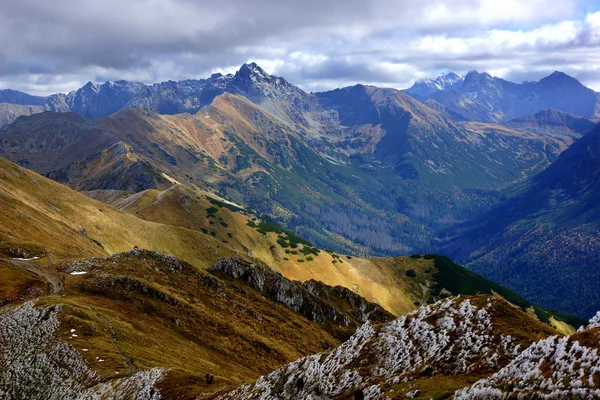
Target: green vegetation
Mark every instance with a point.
(459, 280)
(219, 204)
(411, 273)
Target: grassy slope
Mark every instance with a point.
(44, 215)
(377, 279)
(183, 320)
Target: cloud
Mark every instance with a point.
(316, 44)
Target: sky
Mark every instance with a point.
(59, 45)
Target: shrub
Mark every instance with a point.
(309, 258)
(411, 273)
(212, 210)
(300, 260)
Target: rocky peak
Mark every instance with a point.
(426, 87)
(558, 78)
(478, 79)
(252, 69)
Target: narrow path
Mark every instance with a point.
(46, 272)
(131, 368)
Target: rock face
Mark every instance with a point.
(318, 302)
(38, 365)
(452, 337)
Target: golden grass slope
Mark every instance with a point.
(41, 214)
(38, 212)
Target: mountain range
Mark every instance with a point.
(215, 239)
(482, 97)
(359, 169)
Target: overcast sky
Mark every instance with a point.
(49, 46)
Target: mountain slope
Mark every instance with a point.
(45, 219)
(549, 232)
(50, 141)
(358, 169)
(137, 313)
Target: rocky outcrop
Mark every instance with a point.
(316, 301)
(553, 368)
(36, 364)
(451, 337)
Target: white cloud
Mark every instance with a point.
(317, 44)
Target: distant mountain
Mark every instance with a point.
(352, 169)
(50, 141)
(13, 104)
(544, 242)
(553, 121)
(475, 97)
(423, 88)
(484, 98)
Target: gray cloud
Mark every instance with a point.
(316, 44)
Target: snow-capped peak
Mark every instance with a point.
(427, 86)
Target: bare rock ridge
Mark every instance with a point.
(316, 301)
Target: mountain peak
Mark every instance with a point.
(558, 76)
(425, 87)
(252, 69)
(452, 74)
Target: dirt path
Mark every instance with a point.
(43, 271)
(131, 368)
